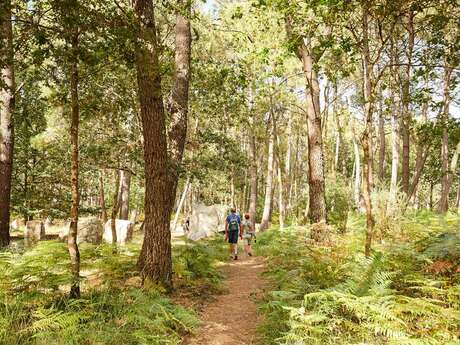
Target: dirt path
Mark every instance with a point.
(232, 318)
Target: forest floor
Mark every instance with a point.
(231, 318)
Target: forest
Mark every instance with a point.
(129, 130)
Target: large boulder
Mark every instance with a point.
(207, 220)
(48, 223)
(124, 229)
(89, 231)
(14, 225)
(34, 231)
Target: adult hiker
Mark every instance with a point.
(232, 231)
(249, 234)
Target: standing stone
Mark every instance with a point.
(207, 220)
(89, 231)
(34, 231)
(124, 228)
(48, 222)
(14, 225)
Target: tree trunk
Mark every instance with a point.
(457, 205)
(133, 216)
(232, 191)
(422, 155)
(445, 185)
(381, 146)
(280, 198)
(368, 88)
(75, 192)
(395, 135)
(406, 99)
(288, 165)
(7, 90)
(281, 206)
(269, 181)
(181, 203)
(154, 261)
(180, 95)
(317, 200)
(115, 206)
(395, 145)
(242, 204)
(431, 196)
(102, 198)
(338, 137)
(446, 189)
(293, 182)
(253, 177)
(357, 173)
(125, 186)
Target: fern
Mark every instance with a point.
(35, 310)
(337, 296)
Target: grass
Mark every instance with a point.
(406, 293)
(113, 308)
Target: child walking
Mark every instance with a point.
(249, 234)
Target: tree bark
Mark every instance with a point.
(457, 205)
(253, 176)
(75, 192)
(154, 261)
(443, 205)
(395, 145)
(102, 198)
(317, 200)
(180, 95)
(422, 155)
(288, 164)
(381, 146)
(7, 91)
(395, 135)
(445, 190)
(431, 196)
(181, 203)
(338, 136)
(269, 181)
(293, 179)
(232, 191)
(357, 172)
(281, 205)
(406, 99)
(125, 186)
(115, 206)
(243, 199)
(368, 91)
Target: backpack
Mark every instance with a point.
(233, 223)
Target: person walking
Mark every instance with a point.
(232, 231)
(249, 234)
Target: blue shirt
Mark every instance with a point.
(233, 216)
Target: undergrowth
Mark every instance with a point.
(407, 292)
(113, 308)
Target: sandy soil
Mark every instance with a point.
(231, 319)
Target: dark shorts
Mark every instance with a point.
(233, 236)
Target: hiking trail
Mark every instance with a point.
(231, 319)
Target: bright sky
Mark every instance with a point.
(209, 6)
